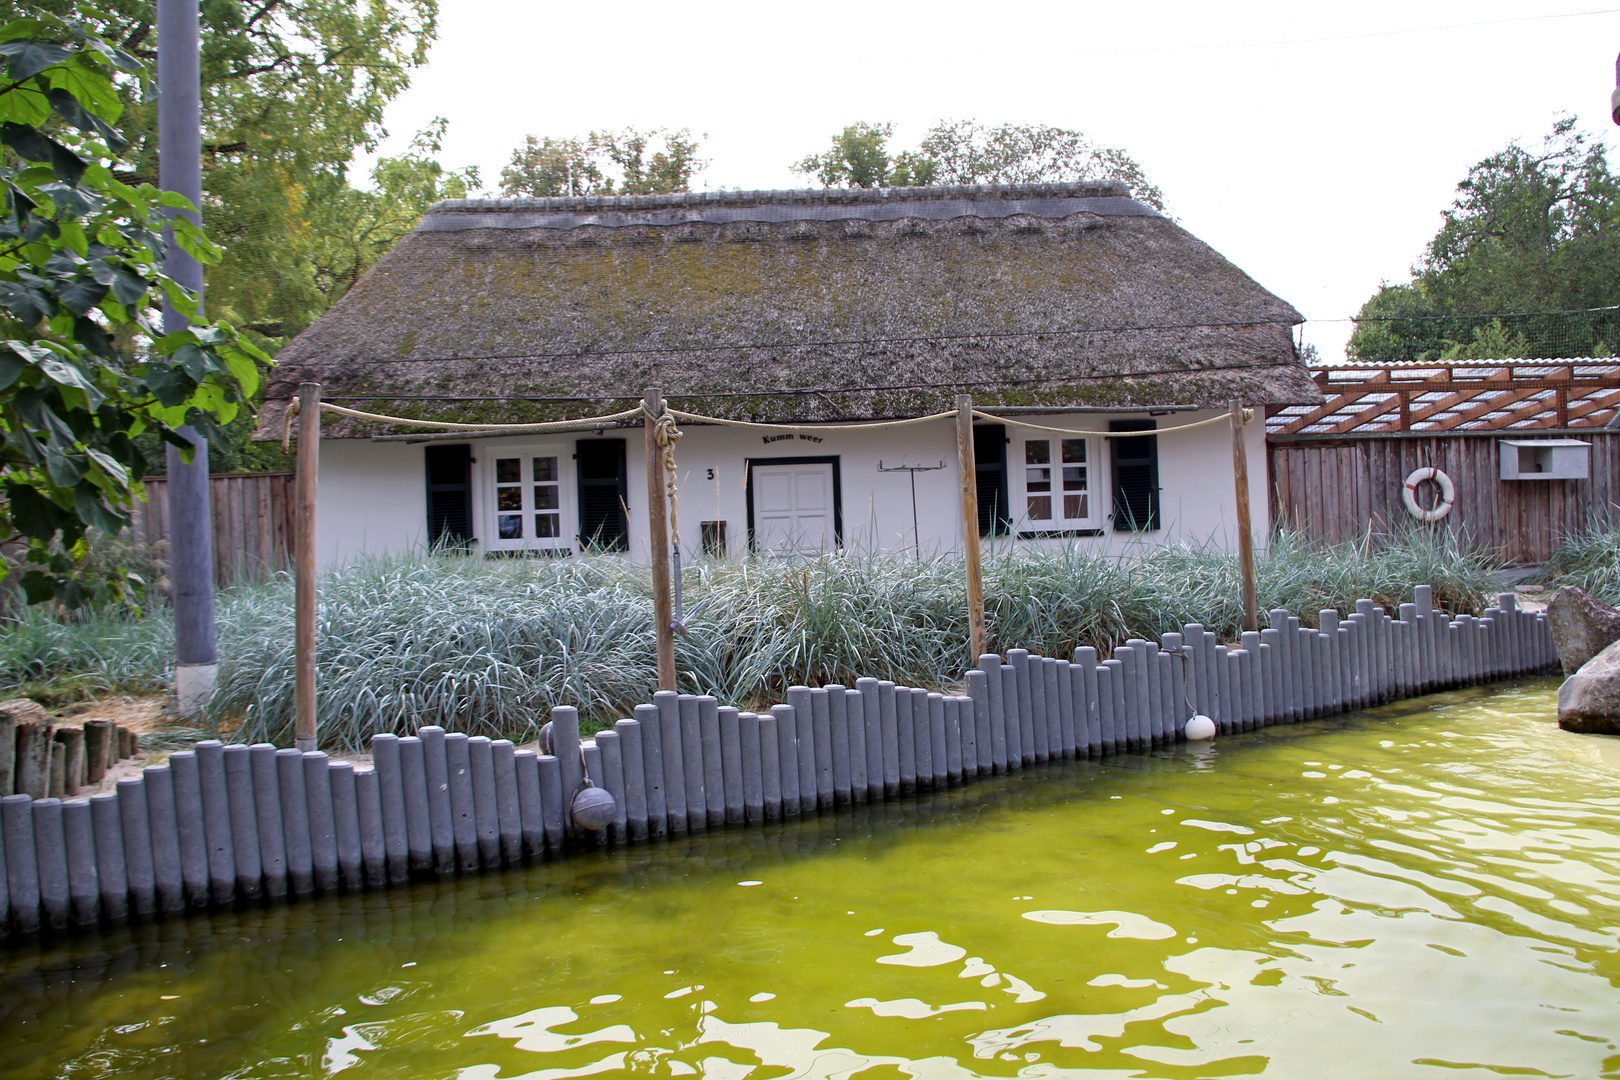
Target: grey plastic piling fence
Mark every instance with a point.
(220, 825)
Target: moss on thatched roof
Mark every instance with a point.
(804, 305)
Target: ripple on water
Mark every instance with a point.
(1412, 892)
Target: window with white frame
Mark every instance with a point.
(1059, 485)
(530, 509)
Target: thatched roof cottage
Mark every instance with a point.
(1065, 305)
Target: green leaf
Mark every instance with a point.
(81, 294)
(33, 514)
(169, 384)
(29, 143)
(26, 305)
(94, 512)
(111, 466)
(65, 470)
(128, 288)
(29, 58)
(194, 360)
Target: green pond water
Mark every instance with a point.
(1427, 890)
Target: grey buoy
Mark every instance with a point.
(593, 809)
(1200, 727)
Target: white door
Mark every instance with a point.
(793, 508)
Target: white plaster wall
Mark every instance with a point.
(371, 499)
(372, 496)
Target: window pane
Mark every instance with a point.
(545, 496)
(545, 469)
(1038, 479)
(1074, 478)
(1074, 506)
(1037, 452)
(509, 498)
(510, 526)
(507, 470)
(1040, 507)
(545, 525)
(1074, 450)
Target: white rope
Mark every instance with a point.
(1223, 418)
(870, 425)
(550, 425)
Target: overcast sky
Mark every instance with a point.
(1314, 145)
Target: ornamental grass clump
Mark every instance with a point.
(489, 646)
(1590, 560)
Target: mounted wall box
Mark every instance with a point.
(1546, 459)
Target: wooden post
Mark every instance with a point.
(658, 538)
(309, 453)
(968, 466)
(1240, 477)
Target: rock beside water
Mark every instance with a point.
(1581, 627)
(1589, 700)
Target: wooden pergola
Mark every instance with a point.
(1478, 395)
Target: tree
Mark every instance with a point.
(604, 163)
(967, 152)
(84, 364)
(1528, 248)
(291, 89)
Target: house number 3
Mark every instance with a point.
(711, 474)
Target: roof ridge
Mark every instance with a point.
(1067, 189)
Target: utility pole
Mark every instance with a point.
(1245, 533)
(191, 542)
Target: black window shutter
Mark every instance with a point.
(1136, 476)
(449, 495)
(603, 494)
(990, 478)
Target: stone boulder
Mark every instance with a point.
(1581, 627)
(1589, 700)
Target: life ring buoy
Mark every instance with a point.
(1448, 494)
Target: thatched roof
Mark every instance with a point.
(808, 305)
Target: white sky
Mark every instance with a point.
(1313, 145)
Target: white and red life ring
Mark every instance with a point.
(1448, 494)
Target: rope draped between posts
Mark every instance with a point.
(1223, 418)
(447, 425)
(869, 425)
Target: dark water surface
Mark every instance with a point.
(1427, 890)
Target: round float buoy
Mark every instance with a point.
(1448, 494)
(593, 809)
(1200, 727)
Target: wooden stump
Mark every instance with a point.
(70, 747)
(33, 759)
(57, 788)
(8, 753)
(98, 749)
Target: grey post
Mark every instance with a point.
(1034, 677)
(838, 744)
(974, 727)
(1105, 706)
(1017, 753)
(1220, 679)
(697, 798)
(346, 825)
(188, 815)
(1179, 711)
(1271, 644)
(216, 820)
(508, 807)
(110, 869)
(958, 718)
(731, 763)
(1253, 686)
(1086, 658)
(905, 732)
(804, 738)
(486, 816)
(674, 761)
(531, 812)
(441, 812)
(164, 827)
(266, 815)
(753, 773)
(872, 719)
(246, 850)
(553, 808)
(928, 727)
(373, 840)
(463, 814)
(787, 757)
(855, 714)
(1151, 695)
(391, 796)
(652, 759)
(322, 820)
(571, 767)
(1167, 671)
(135, 822)
(1061, 690)
(1020, 706)
(889, 745)
(419, 826)
(770, 767)
(84, 884)
(634, 765)
(990, 664)
(612, 754)
(50, 847)
(295, 815)
(714, 771)
(1129, 659)
(1197, 679)
(822, 736)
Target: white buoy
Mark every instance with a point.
(1200, 727)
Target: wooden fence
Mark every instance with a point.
(1335, 489)
(252, 520)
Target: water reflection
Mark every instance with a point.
(1398, 894)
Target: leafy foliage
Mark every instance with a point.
(628, 162)
(967, 152)
(84, 366)
(1529, 232)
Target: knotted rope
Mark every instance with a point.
(666, 433)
